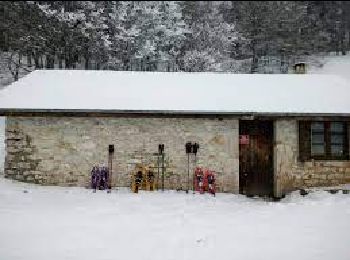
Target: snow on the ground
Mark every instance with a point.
(73, 223)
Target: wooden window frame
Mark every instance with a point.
(318, 132)
(305, 142)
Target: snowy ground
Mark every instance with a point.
(73, 223)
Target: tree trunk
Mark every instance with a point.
(60, 65)
(36, 60)
(47, 61)
(67, 59)
(16, 74)
(342, 45)
(41, 62)
(29, 59)
(17, 66)
(87, 62)
(254, 64)
(50, 60)
(342, 41)
(282, 64)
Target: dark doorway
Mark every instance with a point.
(256, 158)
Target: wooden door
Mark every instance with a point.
(256, 158)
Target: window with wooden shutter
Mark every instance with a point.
(323, 140)
(338, 140)
(304, 140)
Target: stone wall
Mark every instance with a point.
(285, 155)
(2, 144)
(291, 174)
(62, 150)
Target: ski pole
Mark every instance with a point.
(188, 172)
(195, 160)
(162, 171)
(158, 170)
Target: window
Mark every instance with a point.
(337, 140)
(317, 139)
(323, 140)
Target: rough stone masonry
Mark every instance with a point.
(62, 150)
(291, 173)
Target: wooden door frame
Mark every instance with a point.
(272, 151)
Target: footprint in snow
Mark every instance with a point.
(200, 240)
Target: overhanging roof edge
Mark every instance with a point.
(16, 111)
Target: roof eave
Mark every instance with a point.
(116, 112)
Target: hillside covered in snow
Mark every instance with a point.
(330, 64)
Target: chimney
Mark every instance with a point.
(299, 68)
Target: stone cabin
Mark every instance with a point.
(262, 134)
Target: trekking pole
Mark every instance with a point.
(161, 152)
(188, 172)
(188, 147)
(195, 159)
(195, 148)
(158, 170)
(109, 175)
(162, 171)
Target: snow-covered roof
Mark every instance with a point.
(178, 92)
